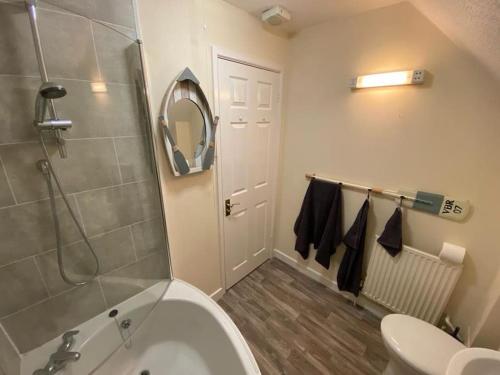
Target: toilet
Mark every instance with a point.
(416, 347)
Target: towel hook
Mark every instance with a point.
(369, 191)
(401, 199)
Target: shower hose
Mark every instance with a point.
(48, 171)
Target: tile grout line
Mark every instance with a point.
(106, 303)
(37, 303)
(69, 12)
(24, 259)
(109, 83)
(129, 264)
(79, 192)
(134, 246)
(138, 135)
(10, 340)
(44, 252)
(4, 168)
(80, 215)
(44, 282)
(99, 72)
(110, 187)
(117, 159)
(2, 318)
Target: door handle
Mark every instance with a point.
(228, 206)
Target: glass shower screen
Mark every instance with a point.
(109, 199)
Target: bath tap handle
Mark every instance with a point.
(70, 334)
(63, 357)
(68, 341)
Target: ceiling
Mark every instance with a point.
(473, 25)
(311, 12)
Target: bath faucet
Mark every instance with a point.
(68, 341)
(60, 359)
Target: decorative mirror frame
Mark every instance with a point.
(187, 86)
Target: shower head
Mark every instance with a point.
(51, 90)
(46, 92)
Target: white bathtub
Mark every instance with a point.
(186, 333)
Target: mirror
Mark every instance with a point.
(187, 126)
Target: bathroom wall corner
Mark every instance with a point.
(10, 359)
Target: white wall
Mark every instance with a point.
(176, 34)
(443, 137)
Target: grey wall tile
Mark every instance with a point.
(113, 249)
(17, 107)
(106, 209)
(35, 326)
(120, 12)
(20, 286)
(118, 56)
(68, 46)
(25, 178)
(6, 198)
(149, 237)
(123, 110)
(28, 229)
(79, 265)
(114, 113)
(134, 159)
(90, 164)
(17, 54)
(10, 361)
(84, 8)
(124, 283)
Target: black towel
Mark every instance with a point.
(320, 221)
(350, 271)
(392, 236)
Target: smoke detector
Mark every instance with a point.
(276, 15)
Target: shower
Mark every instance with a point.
(48, 92)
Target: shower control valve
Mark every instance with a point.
(54, 124)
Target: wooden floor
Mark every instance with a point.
(295, 325)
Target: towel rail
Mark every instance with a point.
(377, 190)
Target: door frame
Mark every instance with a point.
(224, 54)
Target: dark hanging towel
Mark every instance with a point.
(392, 236)
(351, 267)
(320, 221)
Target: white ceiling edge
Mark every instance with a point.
(472, 25)
(307, 13)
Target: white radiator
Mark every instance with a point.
(413, 282)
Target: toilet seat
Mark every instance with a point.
(422, 346)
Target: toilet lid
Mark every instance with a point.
(420, 344)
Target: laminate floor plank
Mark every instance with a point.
(297, 326)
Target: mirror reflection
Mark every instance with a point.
(186, 124)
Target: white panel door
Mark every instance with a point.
(249, 126)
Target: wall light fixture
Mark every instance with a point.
(403, 77)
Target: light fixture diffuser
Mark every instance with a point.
(398, 78)
(99, 87)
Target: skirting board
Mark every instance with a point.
(217, 295)
(375, 309)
